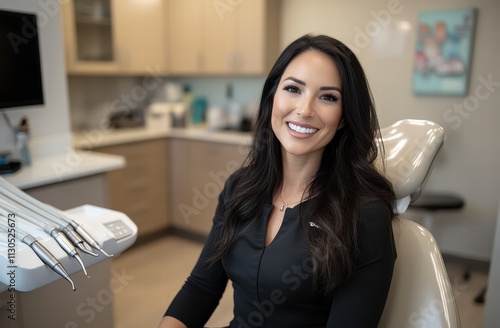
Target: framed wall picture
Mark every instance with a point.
(443, 52)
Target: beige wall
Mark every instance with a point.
(470, 161)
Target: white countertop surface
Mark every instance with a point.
(100, 138)
(77, 163)
(62, 167)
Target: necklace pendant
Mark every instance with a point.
(282, 207)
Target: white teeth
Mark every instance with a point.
(301, 129)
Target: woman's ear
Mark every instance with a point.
(341, 124)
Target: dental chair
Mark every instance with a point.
(421, 294)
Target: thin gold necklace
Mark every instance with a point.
(285, 204)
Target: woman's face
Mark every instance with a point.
(307, 106)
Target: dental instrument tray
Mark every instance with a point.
(25, 271)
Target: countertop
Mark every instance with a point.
(62, 167)
(79, 162)
(99, 138)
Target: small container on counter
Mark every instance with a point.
(216, 118)
(199, 108)
(178, 115)
(22, 148)
(158, 116)
(234, 110)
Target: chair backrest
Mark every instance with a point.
(421, 294)
(410, 147)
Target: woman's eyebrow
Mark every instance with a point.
(331, 88)
(291, 78)
(295, 80)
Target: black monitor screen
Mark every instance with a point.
(20, 69)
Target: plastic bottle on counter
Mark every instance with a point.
(233, 110)
(198, 110)
(187, 100)
(22, 143)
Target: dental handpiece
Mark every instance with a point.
(77, 240)
(47, 258)
(88, 238)
(65, 244)
(79, 230)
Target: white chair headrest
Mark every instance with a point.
(411, 147)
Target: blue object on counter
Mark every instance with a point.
(199, 108)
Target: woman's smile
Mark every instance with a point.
(301, 130)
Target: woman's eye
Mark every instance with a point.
(292, 89)
(329, 98)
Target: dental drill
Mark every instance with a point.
(43, 254)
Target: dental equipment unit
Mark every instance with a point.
(35, 235)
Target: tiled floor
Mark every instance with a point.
(160, 268)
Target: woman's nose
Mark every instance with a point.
(306, 107)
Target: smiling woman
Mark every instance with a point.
(307, 104)
(302, 229)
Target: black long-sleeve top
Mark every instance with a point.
(273, 285)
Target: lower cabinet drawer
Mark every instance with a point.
(140, 189)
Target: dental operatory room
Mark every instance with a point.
(137, 139)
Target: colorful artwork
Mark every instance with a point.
(443, 52)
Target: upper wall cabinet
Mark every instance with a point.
(88, 36)
(140, 35)
(114, 36)
(222, 37)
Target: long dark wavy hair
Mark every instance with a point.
(345, 180)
